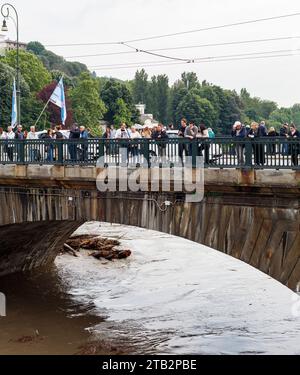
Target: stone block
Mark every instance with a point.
(7, 171)
(39, 171)
(274, 178)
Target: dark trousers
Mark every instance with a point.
(259, 154)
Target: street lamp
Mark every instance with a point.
(6, 14)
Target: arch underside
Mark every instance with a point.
(262, 232)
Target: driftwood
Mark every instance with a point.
(70, 250)
(104, 247)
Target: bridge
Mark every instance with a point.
(250, 210)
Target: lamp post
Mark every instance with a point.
(5, 11)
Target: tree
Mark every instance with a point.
(140, 87)
(110, 91)
(197, 109)
(54, 62)
(122, 113)
(88, 108)
(162, 93)
(32, 70)
(190, 80)
(54, 112)
(29, 105)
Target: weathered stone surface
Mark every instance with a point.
(39, 171)
(7, 171)
(275, 178)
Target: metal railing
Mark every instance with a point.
(225, 152)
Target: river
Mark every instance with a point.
(171, 296)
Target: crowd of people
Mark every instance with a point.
(259, 130)
(160, 134)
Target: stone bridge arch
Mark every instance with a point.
(259, 226)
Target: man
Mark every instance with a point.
(123, 136)
(135, 146)
(10, 136)
(74, 137)
(33, 151)
(84, 135)
(284, 133)
(183, 147)
(160, 136)
(19, 135)
(122, 133)
(239, 133)
(190, 133)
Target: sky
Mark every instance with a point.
(94, 21)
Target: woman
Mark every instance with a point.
(49, 147)
(272, 146)
(294, 134)
(108, 136)
(258, 148)
(146, 133)
(203, 134)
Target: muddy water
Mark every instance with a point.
(172, 296)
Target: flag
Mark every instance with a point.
(58, 98)
(14, 111)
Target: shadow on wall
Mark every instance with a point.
(29, 245)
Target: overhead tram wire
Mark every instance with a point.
(156, 54)
(143, 65)
(199, 59)
(178, 33)
(188, 47)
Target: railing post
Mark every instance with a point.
(248, 154)
(194, 152)
(60, 151)
(21, 151)
(146, 151)
(101, 147)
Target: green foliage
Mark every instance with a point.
(190, 80)
(112, 90)
(255, 108)
(7, 75)
(54, 62)
(32, 70)
(195, 108)
(122, 113)
(140, 87)
(88, 108)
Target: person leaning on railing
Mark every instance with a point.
(239, 132)
(33, 151)
(190, 133)
(161, 137)
(74, 136)
(134, 147)
(272, 146)
(203, 134)
(295, 146)
(258, 131)
(10, 136)
(183, 147)
(284, 132)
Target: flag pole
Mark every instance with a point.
(44, 109)
(46, 105)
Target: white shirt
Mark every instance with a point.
(135, 135)
(11, 135)
(3, 135)
(32, 135)
(125, 134)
